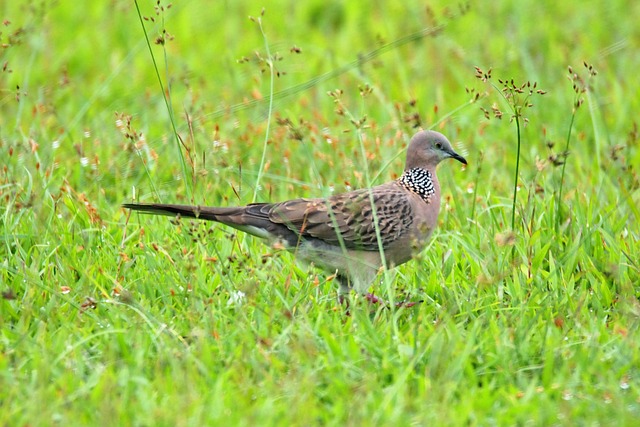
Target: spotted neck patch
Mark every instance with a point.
(419, 181)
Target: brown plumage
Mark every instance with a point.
(339, 233)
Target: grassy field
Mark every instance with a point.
(108, 318)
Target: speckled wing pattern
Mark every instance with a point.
(347, 219)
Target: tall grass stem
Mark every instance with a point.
(166, 94)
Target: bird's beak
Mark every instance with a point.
(458, 157)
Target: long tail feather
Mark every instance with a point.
(251, 219)
(208, 213)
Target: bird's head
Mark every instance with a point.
(428, 148)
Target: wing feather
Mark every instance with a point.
(348, 219)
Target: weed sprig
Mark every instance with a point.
(580, 86)
(162, 40)
(518, 98)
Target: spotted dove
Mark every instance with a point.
(346, 234)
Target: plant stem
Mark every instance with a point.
(269, 112)
(515, 181)
(564, 166)
(166, 94)
(475, 188)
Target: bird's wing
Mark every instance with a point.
(347, 219)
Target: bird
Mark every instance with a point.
(349, 235)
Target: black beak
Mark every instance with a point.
(458, 157)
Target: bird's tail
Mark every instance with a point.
(198, 212)
(252, 219)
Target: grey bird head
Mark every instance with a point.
(428, 148)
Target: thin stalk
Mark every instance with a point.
(515, 181)
(269, 111)
(516, 110)
(564, 166)
(166, 95)
(475, 188)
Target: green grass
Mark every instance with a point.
(111, 319)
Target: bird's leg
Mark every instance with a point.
(407, 304)
(372, 298)
(376, 300)
(344, 289)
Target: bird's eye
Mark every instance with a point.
(438, 146)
